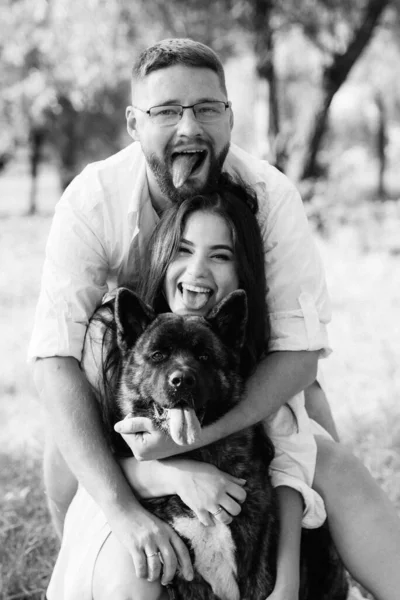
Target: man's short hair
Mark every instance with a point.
(177, 51)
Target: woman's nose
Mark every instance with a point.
(197, 266)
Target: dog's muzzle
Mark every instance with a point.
(182, 379)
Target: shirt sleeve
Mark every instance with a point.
(293, 466)
(74, 275)
(297, 297)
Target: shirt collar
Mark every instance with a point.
(140, 205)
(242, 164)
(237, 162)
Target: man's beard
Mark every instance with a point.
(162, 172)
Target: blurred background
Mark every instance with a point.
(315, 89)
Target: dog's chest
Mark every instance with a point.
(214, 552)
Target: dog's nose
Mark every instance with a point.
(182, 379)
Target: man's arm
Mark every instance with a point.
(277, 378)
(72, 408)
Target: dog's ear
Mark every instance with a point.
(229, 317)
(132, 316)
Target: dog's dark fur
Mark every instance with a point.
(192, 363)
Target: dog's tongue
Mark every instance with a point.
(194, 300)
(184, 426)
(182, 167)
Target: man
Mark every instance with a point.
(181, 121)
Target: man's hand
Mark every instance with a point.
(156, 549)
(278, 377)
(147, 442)
(76, 425)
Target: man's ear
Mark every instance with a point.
(132, 316)
(131, 123)
(231, 118)
(228, 319)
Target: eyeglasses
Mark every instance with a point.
(170, 114)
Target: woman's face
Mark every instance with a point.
(204, 268)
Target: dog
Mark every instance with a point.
(183, 373)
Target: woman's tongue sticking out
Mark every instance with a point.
(195, 298)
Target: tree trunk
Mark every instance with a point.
(36, 140)
(68, 141)
(381, 142)
(334, 76)
(264, 50)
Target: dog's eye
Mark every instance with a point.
(204, 357)
(157, 356)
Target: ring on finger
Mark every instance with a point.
(218, 511)
(151, 555)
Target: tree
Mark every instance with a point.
(65, 78)
(65, 64)
(339, 30)
(335, 74)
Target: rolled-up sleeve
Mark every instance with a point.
(290, 430)
(74, 276)
(297, 296)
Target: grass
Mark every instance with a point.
(362, 376)
(28, 545)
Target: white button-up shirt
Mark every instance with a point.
(99, 234)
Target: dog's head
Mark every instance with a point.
(181, 371)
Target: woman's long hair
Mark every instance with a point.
(237, 204)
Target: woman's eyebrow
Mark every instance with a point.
(213, 247)
(183, 241)
(222, 247)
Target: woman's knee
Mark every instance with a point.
(337, 470)
(114, 576)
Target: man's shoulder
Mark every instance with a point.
(108, 181)
(124, 162)
(271, 183)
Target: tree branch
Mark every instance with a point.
(342, 63)
(335, 75)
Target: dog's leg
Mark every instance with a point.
(214, 555)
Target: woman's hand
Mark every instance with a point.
(201, 486)
(205, 490)
(147, 442)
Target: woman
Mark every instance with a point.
(202, 249)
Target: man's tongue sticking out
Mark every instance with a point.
(182, 167)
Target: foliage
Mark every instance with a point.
(65, 66)
(66, 69)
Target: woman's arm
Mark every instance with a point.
(202, 487)
(290, 508)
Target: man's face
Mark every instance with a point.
(184, 158)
